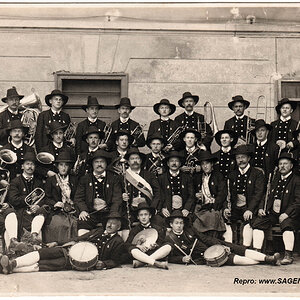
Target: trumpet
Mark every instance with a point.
(175, 135)
(107, 133)
(34, 198)
(70, 132)
(137, 132)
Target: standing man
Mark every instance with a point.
(127, 124)
(283, 127)
(246, 190)
(239, 122)
(283, 207)
(226, 139)
(56, 101)
(164, 125)
(97, 194)
(194, 120)
(12, 112)
(92, 109)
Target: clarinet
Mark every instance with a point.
(228, 199)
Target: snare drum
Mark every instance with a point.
(216, 255)
(83, 256)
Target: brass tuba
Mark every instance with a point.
(45, 158)
(210, 117)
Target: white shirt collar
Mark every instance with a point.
(102, 174)
(13, 112)
(283, 119)
(155, 154)
(164, 118)
(58, 145)
(226, 149)
(262, 143)
(124, 120)
(137, 172)
(121, 152)
(17, 146)
(27, 177)
(92, 120)
(177, 232)
(189, 113)
(286, 175)
(190, 149)
(245, 170)
(174, 174)
(240, 117)
(64, 179)
(93, 150)
(55, 112)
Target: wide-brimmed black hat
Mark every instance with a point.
(260, 123)
(192, 130)
(285, 101)
(16, 124)
(295, 133)
(174, 153)
(115, 215)
(144, 205)
(125, 101)
(54, 126)
(92, 101)
(232, 134)
(205, 155)
(188, 95)
(101, 154)
(93, 129)
(164, 102)
(238, 98)
(12, 92)
(286, 155)
(135, 150)
(155, 136)
(244, 149)
(64, 97)
(29, 155)
(177, 214)
(64, 156)
(123, 132)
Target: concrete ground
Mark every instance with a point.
(180, 280)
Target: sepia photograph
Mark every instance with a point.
(150, 149)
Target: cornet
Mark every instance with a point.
(176, 134)
(70, 132)
(107, 133)
(34, 198)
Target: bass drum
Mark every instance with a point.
(216, 255)
(83, 256)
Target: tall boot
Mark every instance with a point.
(288, 258)
(273, 259)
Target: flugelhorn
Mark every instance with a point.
(34, 198)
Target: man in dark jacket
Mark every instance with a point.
(56, 100)
(283, 207)
(97, 194)
(11, 113)
(109, 244)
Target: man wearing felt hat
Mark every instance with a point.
(164, 125)
(226, 139)
(246, 185)
(56, 101)
(109, 244)
(194, 120)
(239, 122)
(177, 190)
(127, 124)
(16, 131)
(283, 207)
(11, 113)
(283, 127)
(97, 194)
(265, 151)
(92, 109)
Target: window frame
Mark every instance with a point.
(280, 81)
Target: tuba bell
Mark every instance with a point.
(45, 158)
(7, 157)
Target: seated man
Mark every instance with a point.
(181, 239)
(283, 207)
(30, 216)
(97, 193)
(110, 248)
(145, 251)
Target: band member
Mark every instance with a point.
(211, 192)
(92, 137)
(60, 191)
(123, 141)
(182, 239)
(190, 152)
(110, 248)
(92, 109)
(56, 100)
(226, 139)
(21, 191)
(266, 151)
(142, 251)
(141, 185)
(296, 150)
(12, 112)
(194, 120)
(17, 132)
(127, 124)
(97, 193)
(239, 122)
(155, 160)
(164, 125)
(283, 127)
(283, 207)
(246, 185)
(177, 191)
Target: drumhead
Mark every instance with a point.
(149, 236)
(214, 252)
(83, 251)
